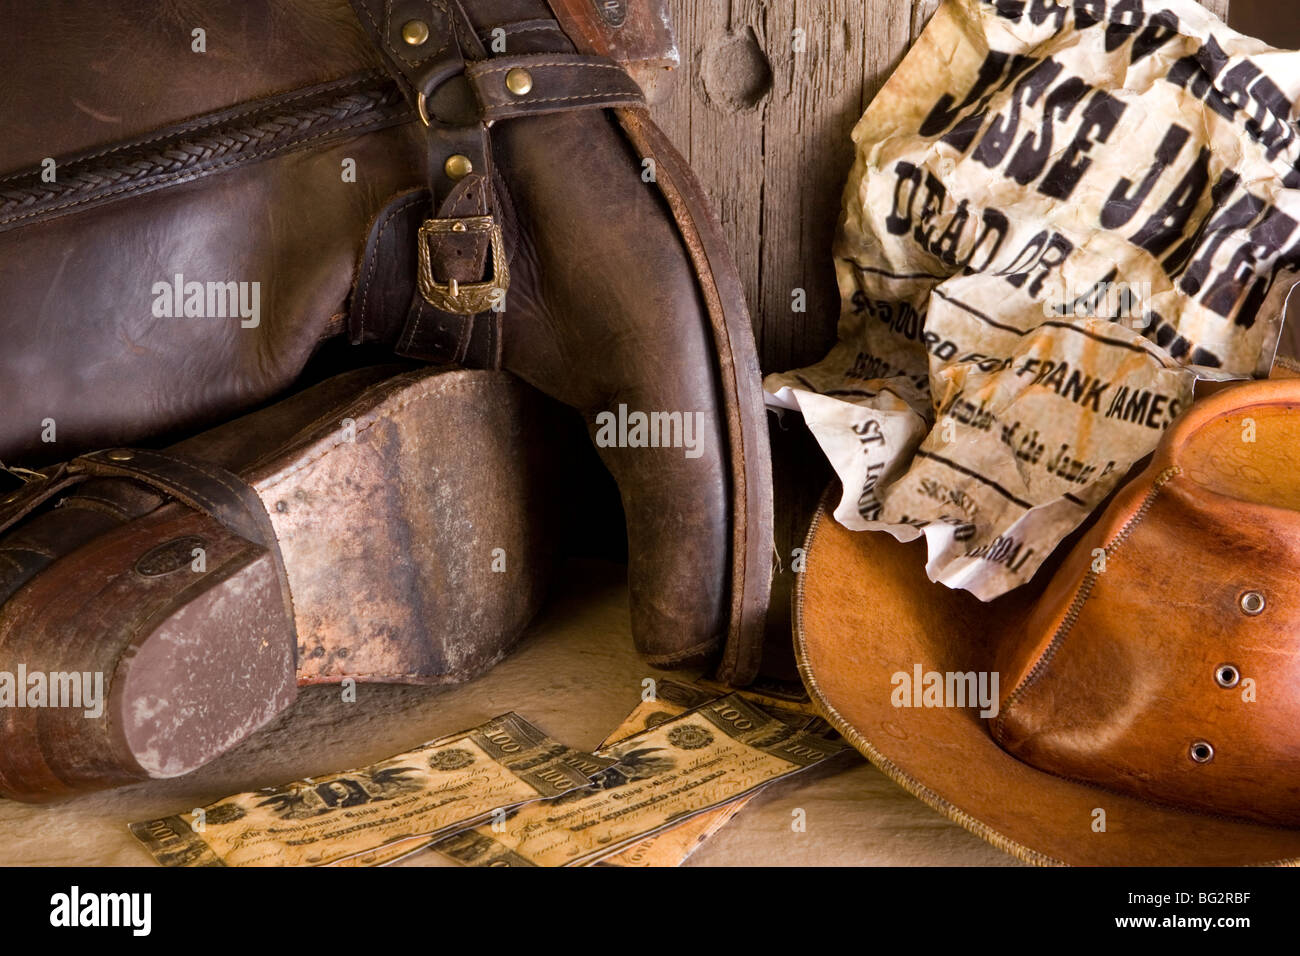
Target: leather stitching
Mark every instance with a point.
(463, 29)
(167, 481)
(612, 97)
(374, 259)
(1081, 595)
(524, 62)
(423, 309)
(406, 341)
(181, 178)
(547, 27)
(236, 492)
(695, 650)
(258, 106)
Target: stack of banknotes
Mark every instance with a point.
(682, 765)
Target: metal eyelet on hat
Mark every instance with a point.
(1252, 603)
(1227, 675)
(1201, 751)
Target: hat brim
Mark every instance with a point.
(865, 610)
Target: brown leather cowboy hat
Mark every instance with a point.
(1150, 700)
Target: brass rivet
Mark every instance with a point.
(1201, 752)
(120, 454)
(519, 82)
(458, 167)
(415, 32)
(459, 227)
(1252, 603)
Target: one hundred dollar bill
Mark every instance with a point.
(669, 698)
(669, 847)
(672, 847)
(439, 787)
(679, 768)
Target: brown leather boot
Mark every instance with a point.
(382, 528)
(569, 243)
(173, 263)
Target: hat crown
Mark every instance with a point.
(1163, 660)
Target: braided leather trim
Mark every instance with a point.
(204, 146)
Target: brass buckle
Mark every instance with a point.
(453, 297)
(27, 476)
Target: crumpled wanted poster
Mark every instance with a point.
(1062, 213)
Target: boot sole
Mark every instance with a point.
(409, 528)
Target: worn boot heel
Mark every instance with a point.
(394, 537)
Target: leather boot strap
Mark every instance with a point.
(210, 489)
(205, 487)
(466, 67)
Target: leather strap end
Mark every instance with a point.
(513, 86)
(16, 505)
(205, 487)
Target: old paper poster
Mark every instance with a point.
(1061, 214)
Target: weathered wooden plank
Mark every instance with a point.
(764, 114)
(824, 76)
(922, 11)
(828, 60)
